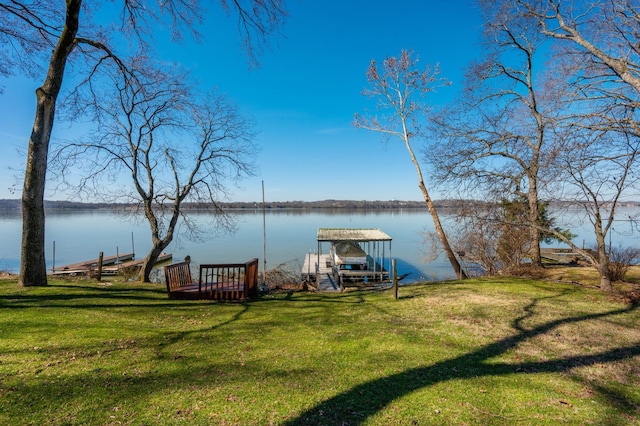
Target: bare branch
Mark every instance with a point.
(176, 146)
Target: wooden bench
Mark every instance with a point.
(179, 282)
(235, 281)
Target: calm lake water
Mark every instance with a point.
(290, 234)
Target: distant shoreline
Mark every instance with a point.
(6, 204)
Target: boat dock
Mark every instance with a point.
(110, 264)
(356, 256)
(325, 277)
(560, 255)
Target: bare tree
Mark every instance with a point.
(498, 136)
(604, 34)
(33, 32)
(598, 47)
(175, 146)
(598, 175)
(400, 90)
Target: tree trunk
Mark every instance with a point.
(432, 208)
(159, 244)
(33, 269)
(534, 218)
(603, 258)
(441, 235)
(151, 260)
(605, 275)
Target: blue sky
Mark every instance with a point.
(303, 96)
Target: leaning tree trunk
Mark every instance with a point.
(434, 213)
(33, 269)
(159, 244)
(441, 235)
(150, 261)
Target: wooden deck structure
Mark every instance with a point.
(235, 281)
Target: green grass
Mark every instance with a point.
(501, 351)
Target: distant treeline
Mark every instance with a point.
(17, 204)
(332, 204)
(336, 204)
(272, 205)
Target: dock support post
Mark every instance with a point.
(100, 257)
(395, 278)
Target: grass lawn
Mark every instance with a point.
(483, 351)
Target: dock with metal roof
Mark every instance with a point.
(329, 276)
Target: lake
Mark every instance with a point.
(290, 234)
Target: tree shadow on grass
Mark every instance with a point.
(344, 298)
(358, 404)
(71, 296)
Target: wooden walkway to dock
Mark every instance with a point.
(324, 280)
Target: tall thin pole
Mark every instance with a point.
(264, 238)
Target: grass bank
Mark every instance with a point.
(499, 351)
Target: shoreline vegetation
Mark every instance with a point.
(15, 204)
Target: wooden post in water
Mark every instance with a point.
(100, 266)
(395, 278)
(264, 239)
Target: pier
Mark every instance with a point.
(560, 255)
(111, 265)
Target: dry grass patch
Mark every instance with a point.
(573, 274)
(587, 275)
(626, 291)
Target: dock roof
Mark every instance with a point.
(352, 234)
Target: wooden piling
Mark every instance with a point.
(100, 257)
(395, 278)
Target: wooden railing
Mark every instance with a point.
(234, 281)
